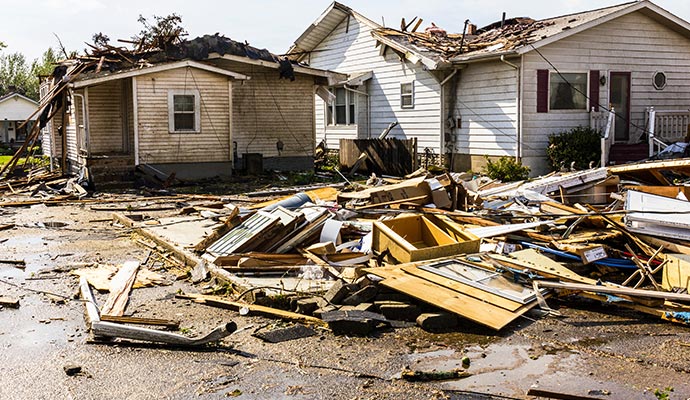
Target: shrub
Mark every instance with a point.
(506, 169)
(581, 144)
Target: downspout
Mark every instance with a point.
(442, 112)
(518, 110)
(135, 120)
(368, 107)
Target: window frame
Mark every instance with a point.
(351, 108)
(659, 87)
(585, 91)
(410, 94)
(171, 110)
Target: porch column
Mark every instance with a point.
(135, 118)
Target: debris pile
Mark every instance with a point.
(439, 251)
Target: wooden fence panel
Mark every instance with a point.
(392, 156)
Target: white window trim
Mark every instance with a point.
(348, 95)
(577, 110)
(654, 80)
(411, 94)
(171, 110)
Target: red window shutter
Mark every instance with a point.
(542, 90)
(594, 90)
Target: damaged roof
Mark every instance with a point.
(323, 26)
(110, 62)
(437, 49)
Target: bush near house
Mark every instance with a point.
(506, 169)
(581, 145)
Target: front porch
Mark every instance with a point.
(104, 121)
(662, 128)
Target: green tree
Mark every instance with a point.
(17, 75)
(160, 33)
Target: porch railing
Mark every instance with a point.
(666, 126)
(604, 122)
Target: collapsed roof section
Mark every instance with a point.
(437, 49)
(112, 61)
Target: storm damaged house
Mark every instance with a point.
(196, 109)
(501, 90)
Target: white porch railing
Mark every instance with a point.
(604, 122)
(666, 126)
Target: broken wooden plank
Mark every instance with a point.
(120, 286)
(91, 307)
(549, 394)
(460, 287)
(450, 300)
(166, 323)
(21, 264)
(9, 302)
(619, 291)
(253, 308)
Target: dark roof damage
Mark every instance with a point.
(496, 38)
(112, 59)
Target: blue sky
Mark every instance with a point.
(28, 26)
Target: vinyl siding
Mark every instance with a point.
(632, 43)
(487, 107)
(156, 144)
(105, 118)
(350, 49)
(267, 110)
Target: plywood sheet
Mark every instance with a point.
(460, 287)
(447, 299)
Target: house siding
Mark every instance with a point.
(350, 49)
(486, 105)
(105, 118)
(632, 43)
(156, 144)
(268, 110)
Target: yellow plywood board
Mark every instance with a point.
(447, 299)
(479, 294)
(532, 260)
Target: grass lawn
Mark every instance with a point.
(4, 160)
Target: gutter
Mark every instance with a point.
(518, 111)
(484, 57)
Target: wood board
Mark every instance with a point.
(460, 287)
(466, 306)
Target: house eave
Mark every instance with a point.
(411, 55)
(156, 68)
(330, 75)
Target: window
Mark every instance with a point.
(659, 80)
(183, 111)
(342, 111)
(407, 95)
(567, 91)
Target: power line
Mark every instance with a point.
(624, 118)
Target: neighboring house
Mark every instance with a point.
(380, 88)
(14, 110)
(503, 89)
(195, 114)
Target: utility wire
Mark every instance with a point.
(624, 118)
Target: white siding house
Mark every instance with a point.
(191, 118)
(502, 90)
(14, 110)
(382, 86)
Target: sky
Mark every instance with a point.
(31, 26)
